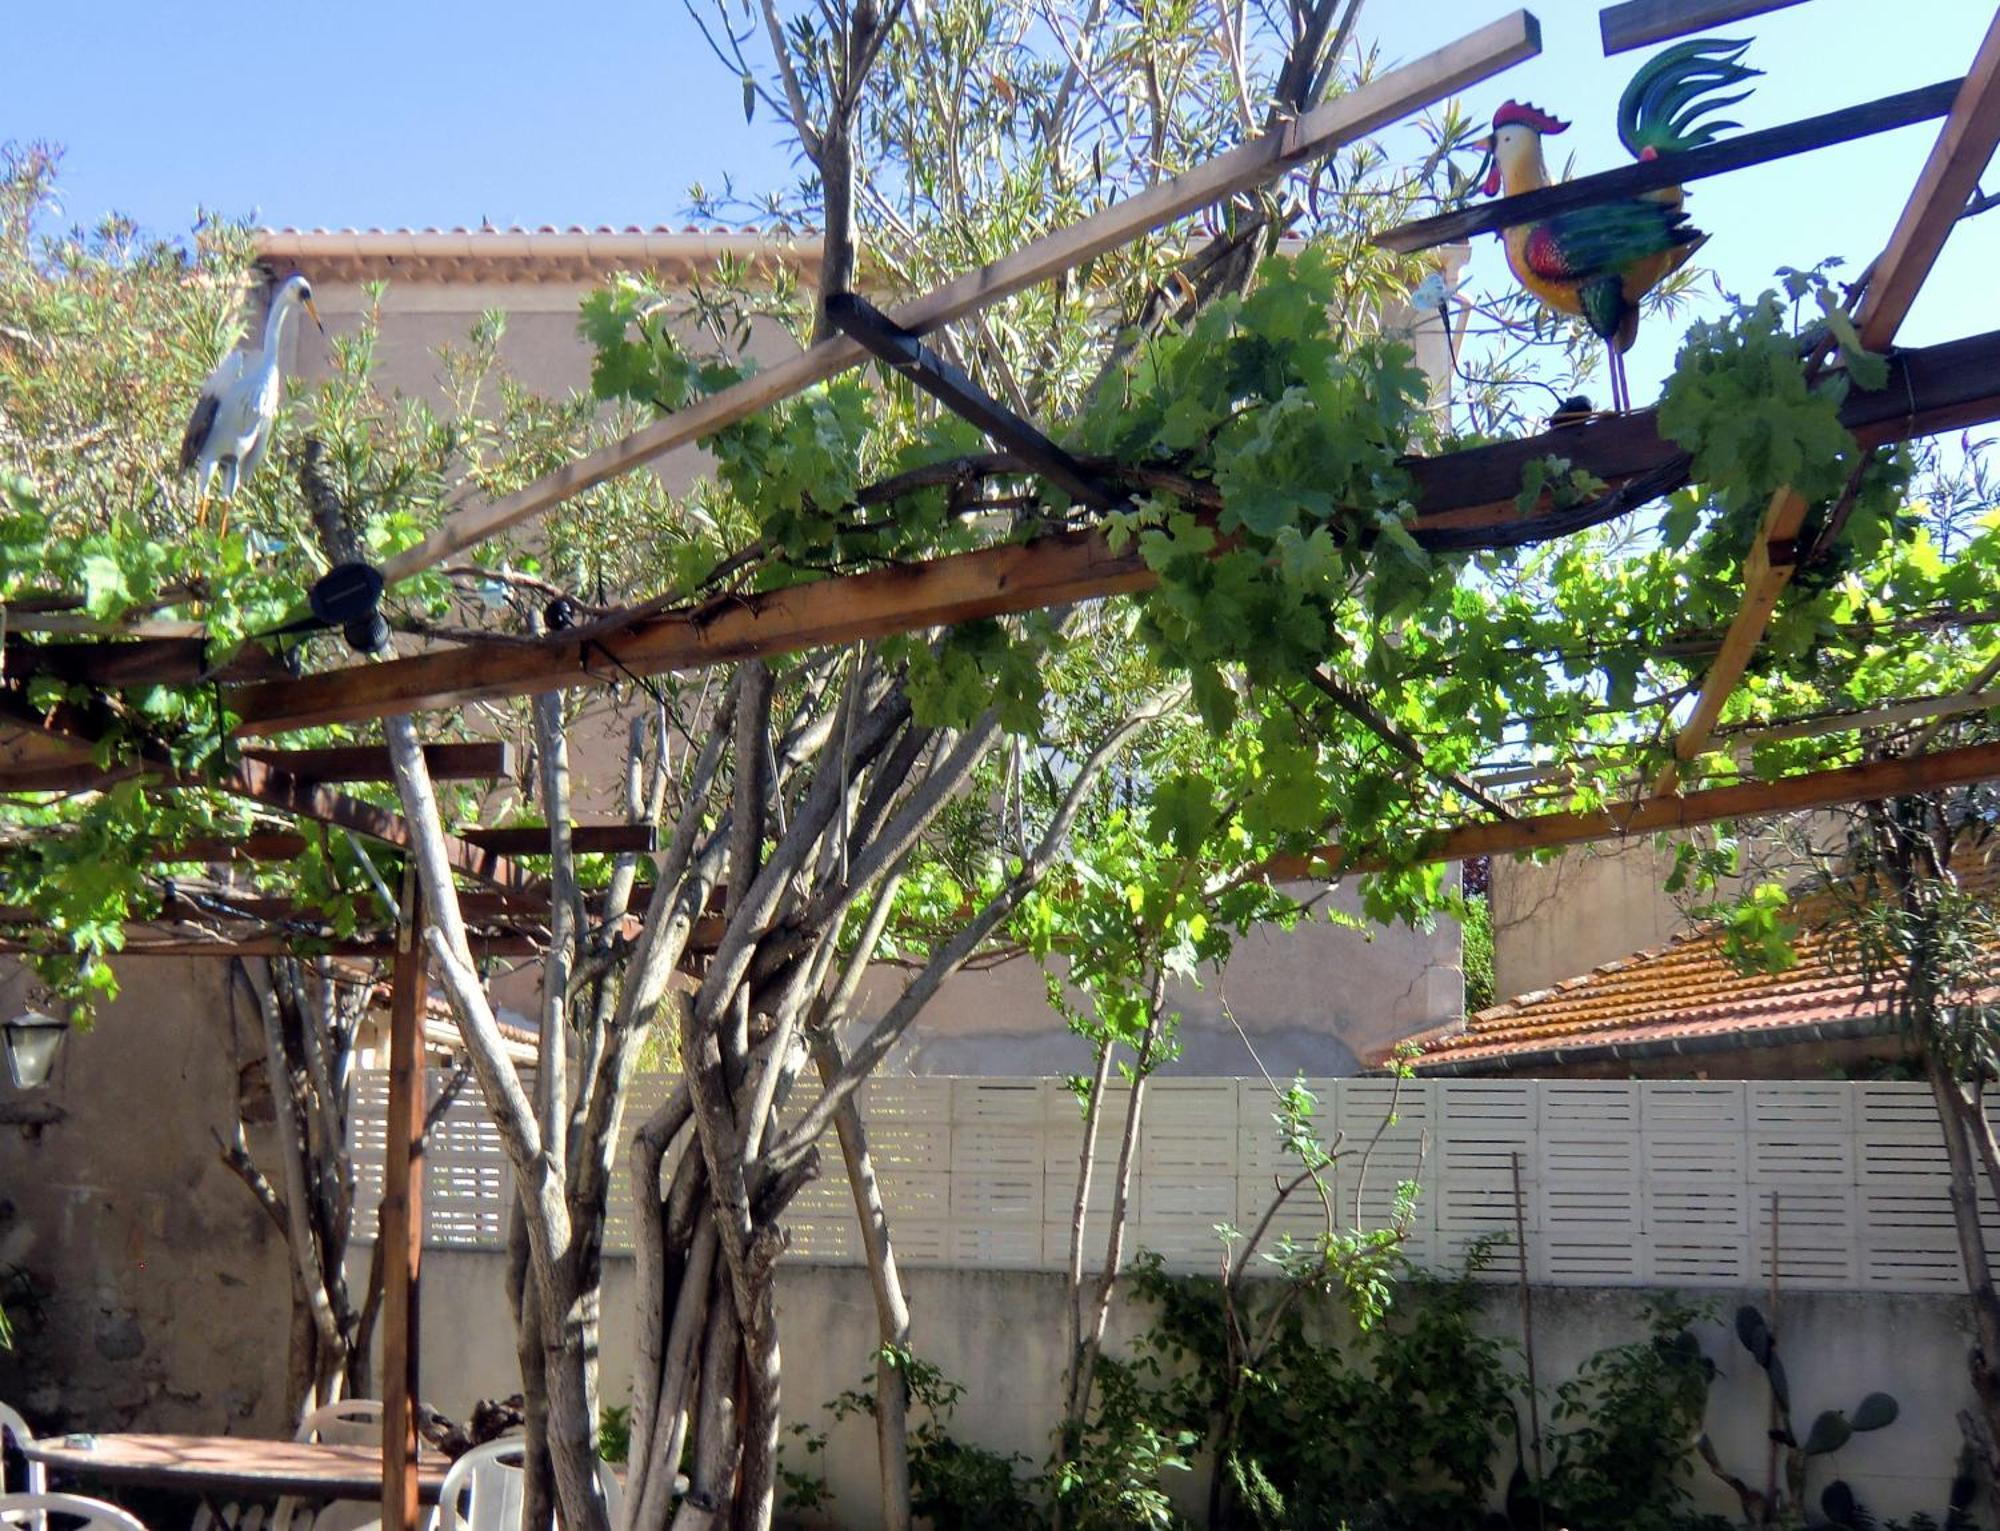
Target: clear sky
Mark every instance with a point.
(439, 112)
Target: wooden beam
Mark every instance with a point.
(1949, 178)
(1318, 133)
(478, 761)
(274, 788)
(284, 845)
(140, 662)
(1641, 23)
(152, 939)
(1791, 794)
(338, 763)
(401, 1230)
(1719, 158)
(1765, 575)
(257, 782)
(1464, 499)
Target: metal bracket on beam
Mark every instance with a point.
(904, 350)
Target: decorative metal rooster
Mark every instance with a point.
(1597, 263)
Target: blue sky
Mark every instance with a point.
(447, 113)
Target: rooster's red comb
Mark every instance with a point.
(1528, 116)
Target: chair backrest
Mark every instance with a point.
(61, 1509)
(351, 1422)
(489, 1479)
(11, 1424)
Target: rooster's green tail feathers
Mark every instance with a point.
(1663, 108)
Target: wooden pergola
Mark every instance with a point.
(1465, 500)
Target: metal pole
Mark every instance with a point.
(402, 1218)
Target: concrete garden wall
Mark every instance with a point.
(998, 1332)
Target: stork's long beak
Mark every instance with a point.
(1490, 186)
(314, 311)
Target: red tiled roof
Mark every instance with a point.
(1686, 996)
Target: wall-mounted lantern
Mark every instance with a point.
(33, 1040)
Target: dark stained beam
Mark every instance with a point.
(1641, 23)
(1719, 158)
(477, 761)
(1464, 500)
(140, 662)
(257, 782)
(1864, 783)
(284, 845)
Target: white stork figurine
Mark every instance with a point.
(237, 411)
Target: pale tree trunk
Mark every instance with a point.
(708, 1385)
(558, 1141)
(1087, 1322)
(1970, 1155)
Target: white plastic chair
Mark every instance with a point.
(12, 1424)
(351, 1422)
(62, 1509)
(489, 1478)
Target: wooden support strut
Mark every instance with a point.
(1327, 127)
(1790, 794)
(1719, 158)
(1641, 23)
(1964, 145)
(1463, 499)
(401, 1230)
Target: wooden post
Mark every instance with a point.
(402, 1218)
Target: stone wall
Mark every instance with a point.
(160, 1292)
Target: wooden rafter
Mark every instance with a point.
(1462, 499)
(1950, 176)
(272, 787)
(1963, 148)
(337, 763)
(479, 760)
(1651, 815)
(1719, 158)
(1641, 23)
(1382, 101)
(519, 840)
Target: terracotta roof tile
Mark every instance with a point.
(1684, 990)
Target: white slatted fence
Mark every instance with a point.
(1662, 1183)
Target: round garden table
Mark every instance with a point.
(218, 1467)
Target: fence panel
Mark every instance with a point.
(1667, 1182)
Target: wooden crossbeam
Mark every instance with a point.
(1950, 176)
(1719, 158)
(336, 763)
(1464, 495)
(1964, 146)
(257, 782)
(284, 845)
(474, 761)
(145, 938)
(1382, 101)
(1641, 23)
(1791, 794)
(143, 662)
